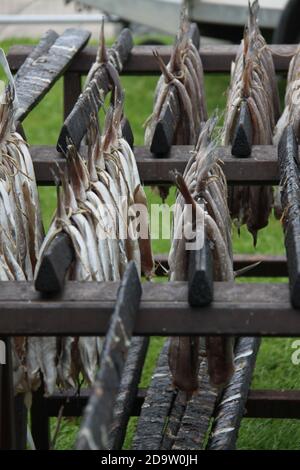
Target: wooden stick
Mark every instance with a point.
(45, 65)
(200, 276)
(56, 261)
(231, 408)
(290, 198)
(97, 420)
(90, 101)
(243, 134)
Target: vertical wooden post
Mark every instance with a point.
(72, 90)
(7, 411)
(20, 422)
(40, 422)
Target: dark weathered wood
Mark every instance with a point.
(128, 391)
(90, 101)
(157, 171)
(198, 413)
(243, 133)
(231, 408)
(55, 264)
(200, 276)
(270, 266)
(85, 309)
(290, 199)
(72, 90)
(20, 422)
(40, 422)
(215, 58)
(156, 407)
(174, 419)
(98, 415)
(127, 131)
(7, 405)
(163, 136)
(39, 73)
(273, 404)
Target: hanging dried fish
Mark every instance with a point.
(21, 231)
(184, 73)
(203, 190)
(253, 81)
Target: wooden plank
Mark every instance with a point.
(90, 101)
(156, 407)
(98, 415)
(38, 74)
(21, 422)
(54, 266)
(200, 276)
(243, 133)
(231, 408)
(197, 417)
(157, 171)
(288, 157)
(215, 58)
(85, 309)
(128, 391)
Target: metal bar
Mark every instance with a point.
(21, 422)
(51, 19)
(85, 309)
(98, 416)
(215, 58)
(157, 171)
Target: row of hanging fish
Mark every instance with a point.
(21, 232)
(253, 81)
(203, 189)
(96, 209)
(183, 75)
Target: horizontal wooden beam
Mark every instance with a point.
(215, 58)
(260, 403)
(270, 266)
(260, 168)
(85, 309)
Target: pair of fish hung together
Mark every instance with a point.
(202, 187)
(253, 81)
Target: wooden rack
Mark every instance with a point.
(86, 308)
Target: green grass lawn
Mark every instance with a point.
(274, 368)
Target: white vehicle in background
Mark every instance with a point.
(216, 18)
